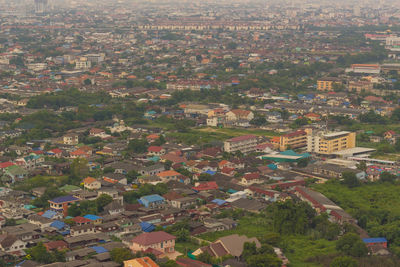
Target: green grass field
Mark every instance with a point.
(369, 197)
(299, 249)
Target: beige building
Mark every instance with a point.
(159, 241)
(91, 183)
(244, 144)
(70, 139)
(328, 143)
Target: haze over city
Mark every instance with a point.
(199, 133)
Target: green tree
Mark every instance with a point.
(40, 254)
(387, 177)
(352, 245)
(120, 255)
(362, 165)
(303, 162)
(344, 261)
(350, 179)
(183, 235)
(264, 260)
(79, 168)
(169, 263)
(138, 145)
(258, 121)
(249, 249)
(102, 201)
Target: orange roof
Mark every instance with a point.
(89, 180)
(78, 152)
(143, 262)
(223, 162)
(312, 115)
(168, 173)
(275, 139)
(152, 136)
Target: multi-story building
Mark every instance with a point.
(294, 140)
(326, 84)
(328, 143)
(360, 86)
(244, 144)
(70, 139)
(365, 68)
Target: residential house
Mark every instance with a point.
(61, 204)
(155, 151)
(252, 178)
(151, 170)
(91, 183)
(184, 203)
(239, 114)
(228, 245)
(140, 262)
(168, 175)
(158, 241)
(152, 201)
(10, 243)
(84, 229)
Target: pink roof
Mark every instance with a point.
(151, 238)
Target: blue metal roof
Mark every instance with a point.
(147, 227)
(374, 240)
(210, 172)
(99, 249)
(63, 199)
(218, 201)
(58, 224)
(49, 214)
(152, 198)
(92, 217)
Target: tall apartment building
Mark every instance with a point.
(328, 143)
(294, 140)
(244, 144)
(326, 84)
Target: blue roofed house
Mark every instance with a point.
(51, 214)
(94, 218)
(376, 245)
(152, 201)
(61, 204)
(99, 249)
(147, 227)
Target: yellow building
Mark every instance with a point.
(326, 84)
(140, 262)
(328, 143)
(294, 140)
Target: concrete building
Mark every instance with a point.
(294, 140)
(328, 143)
(327, 84)
(244, 144)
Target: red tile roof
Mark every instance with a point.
(6, 164)
(80, 220)
(206, 186)
(154, 149)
